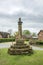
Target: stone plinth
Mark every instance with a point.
(20, 49)
(20, 41)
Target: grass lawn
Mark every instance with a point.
(34, 59)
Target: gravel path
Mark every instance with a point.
(8, 44)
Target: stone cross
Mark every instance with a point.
(20, 28)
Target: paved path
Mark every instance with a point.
(8, 44)
(36, 48)
(5, 45)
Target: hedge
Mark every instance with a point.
(6, 39)
(39, 42)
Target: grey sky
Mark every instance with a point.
(31, 12)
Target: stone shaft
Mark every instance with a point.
(20, 28)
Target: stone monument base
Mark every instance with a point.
(20, 48)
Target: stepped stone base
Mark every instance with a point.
(20, 48)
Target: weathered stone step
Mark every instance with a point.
(22, 46)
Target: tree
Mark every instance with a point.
(16, 34)
(26, 32)
(34, 34)
(10, 31)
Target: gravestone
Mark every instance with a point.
(20, 47)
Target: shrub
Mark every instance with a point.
(39, 42)
(26, 39)
(6, 39)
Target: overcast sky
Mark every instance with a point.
(30, 11)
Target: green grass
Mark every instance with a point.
(34, 59)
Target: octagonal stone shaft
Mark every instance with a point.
(20, 28)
